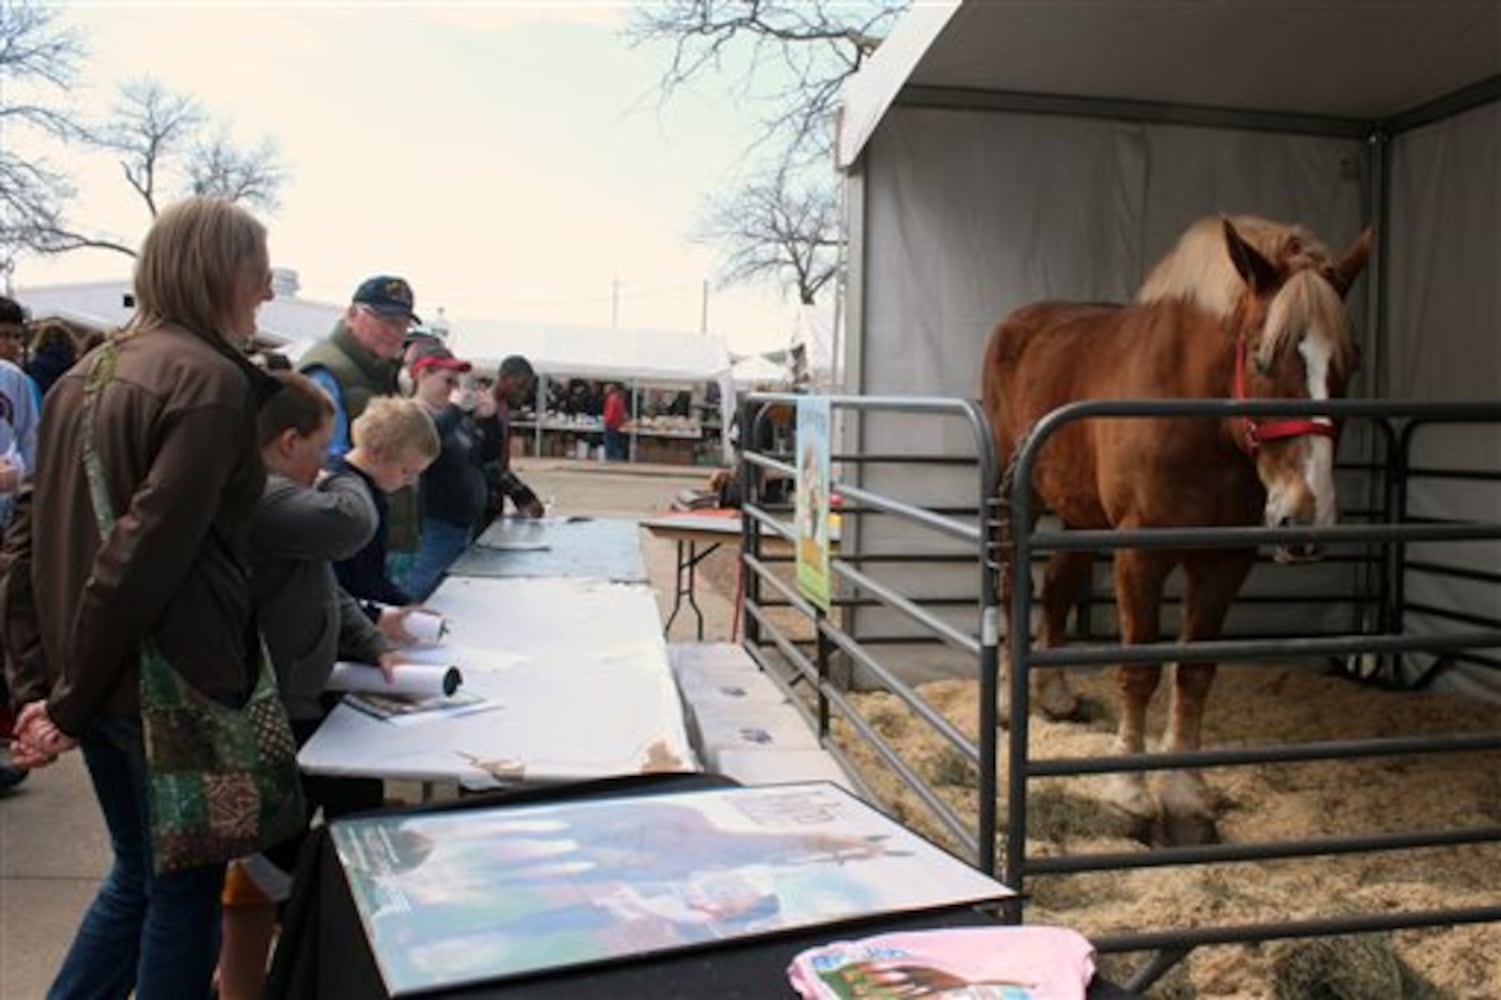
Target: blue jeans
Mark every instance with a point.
(617, 446)
(442, 543)
(157, 935)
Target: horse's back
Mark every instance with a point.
(1026, 370)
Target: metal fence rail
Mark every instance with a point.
(850, 567)
(1374, 535)
(1392, 537)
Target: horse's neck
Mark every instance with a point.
(1199, 353)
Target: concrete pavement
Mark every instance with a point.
(53, 846)
(53, 852)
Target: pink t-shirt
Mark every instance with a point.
(968, 963)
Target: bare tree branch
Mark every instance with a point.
(790, 58)
(38, 61)
(776, 230)
(150, 126)
(253, 176)
(794, 57)
(162, 141)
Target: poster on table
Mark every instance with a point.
(476, 895)
(811, 511)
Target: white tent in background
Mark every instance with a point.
(291, 324)
(756, 371)
(815, 350)
(595, 352)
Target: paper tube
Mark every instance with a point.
(412, 679)
(426, 627)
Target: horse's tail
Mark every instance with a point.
(994, 379)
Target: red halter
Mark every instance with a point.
(1259, 429)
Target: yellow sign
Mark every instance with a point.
(814, 484)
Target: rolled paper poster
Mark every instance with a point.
(426, 627)
(412, 679)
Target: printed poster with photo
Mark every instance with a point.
(811, 513)
(475, 895)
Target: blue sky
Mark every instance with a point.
(511, 159)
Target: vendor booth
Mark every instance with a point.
(678, 385)
(1002, 153)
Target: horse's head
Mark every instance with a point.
(1293, 341)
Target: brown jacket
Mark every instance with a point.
(175, 433)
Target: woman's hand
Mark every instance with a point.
(37, 740)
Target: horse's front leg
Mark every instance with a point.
(1139, 578)
(1211, 581)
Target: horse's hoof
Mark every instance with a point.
(1187, 807)
(1126, 797)
(1052, 698)
(1184, 831)
(1132, 826)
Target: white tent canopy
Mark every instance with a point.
(290, 322)
(595, 352)
(757, 371)
(1338, 59)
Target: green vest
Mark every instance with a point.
(362, 376)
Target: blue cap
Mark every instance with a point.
(387, 294)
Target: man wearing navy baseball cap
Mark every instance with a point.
(359, 359)
(387, 295)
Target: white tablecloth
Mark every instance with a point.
(579, 671)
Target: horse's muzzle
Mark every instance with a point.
(1303, 552)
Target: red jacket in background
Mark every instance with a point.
(615, 415)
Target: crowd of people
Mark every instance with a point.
(167, 495)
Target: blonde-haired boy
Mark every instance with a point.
(394, 441)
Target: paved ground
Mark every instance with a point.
(53, 850)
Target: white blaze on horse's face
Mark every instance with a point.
(1318, 462)
(1298, 472)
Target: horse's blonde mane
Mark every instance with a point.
(1307, 305)
(1198, 267)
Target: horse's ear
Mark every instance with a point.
(1354, 261)
(1254, 269)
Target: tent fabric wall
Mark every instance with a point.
(1444, 322)
(972, 213)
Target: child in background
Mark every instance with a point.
(394, 441)
(301, 525)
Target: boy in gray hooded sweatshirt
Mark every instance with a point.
(302, 525)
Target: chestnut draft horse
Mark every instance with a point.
(1242, 309)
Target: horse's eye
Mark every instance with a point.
(1262, 365)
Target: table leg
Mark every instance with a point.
(739, 599)
(677, 588)
(692, 588)
(685, 584)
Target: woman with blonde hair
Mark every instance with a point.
(146, 481)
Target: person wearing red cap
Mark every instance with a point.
(453, 490)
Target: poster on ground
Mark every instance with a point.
(811, 509)
(475, 895)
